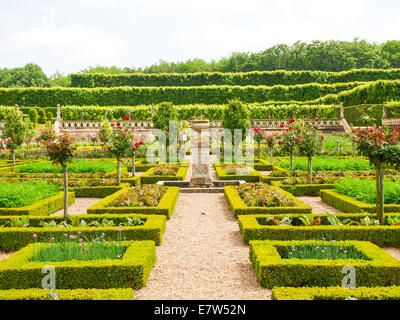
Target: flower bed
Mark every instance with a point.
(237, 172)
(353, 226)
(121, 201)
(289, 203)
(336, 293)
(63, 294)
(274, 270)
(349, 204)
(16, 235)
(42, 207)
(131, 271)
(164, 172)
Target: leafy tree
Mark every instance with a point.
(235, 117)
(381, 146)
(16, 128)
(391, 52)
(60, 151)
(119, 144)
(164, 113)
(31, 75)
(309, 142)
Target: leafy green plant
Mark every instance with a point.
(262, 195)
(20, 194)
(77, 166)
(329, 251)
(310, 221)
(146, 195)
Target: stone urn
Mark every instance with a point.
(200, 154)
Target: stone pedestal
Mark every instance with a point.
(200, 154)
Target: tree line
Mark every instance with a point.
(318, 55)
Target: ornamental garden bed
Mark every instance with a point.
(258, 164)
(236, 171)
(130, 269)
(164, 172)
(142, 199)
(31, 198)
(319, 263)
(83, 188)
(350, 226)
(111, 175)
(65, 294)
(359, 195)
(260, 198)
(78, 166)
(336, 293)
(299, 190)
(17, 232)
(328, 164)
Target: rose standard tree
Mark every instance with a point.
(381, 146)
(270, 141)
(309, 142)
(60, 151)
(133, 155)
(119, 145)
(288, 141)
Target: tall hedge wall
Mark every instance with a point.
(369, 93)
(128, 96)
(266, 78)
(188, 112)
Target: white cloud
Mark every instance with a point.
(75, 43)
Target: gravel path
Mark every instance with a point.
(394, 252)
(79, 207)
(5, 255)
(202, 256)
(318, 206)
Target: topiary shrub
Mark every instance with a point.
(235, 116)
(42, 116)
(33, 115)
(49, 116)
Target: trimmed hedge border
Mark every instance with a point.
(282, 77)
(42, 207)
(272, 270)
(349, 204)
(382, 236)
(299, 190)
(132, 181)
(131, 96)
(336, 293)
(18, 272)
(255, 176)
(17, 238)
(140, 166)
(165, 207)
(76, 294)
(238, 207)
(147, 178)
(97, 191)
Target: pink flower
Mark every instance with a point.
(34, 235)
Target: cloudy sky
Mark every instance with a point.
(71, 35)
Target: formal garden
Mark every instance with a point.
(296, 194)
